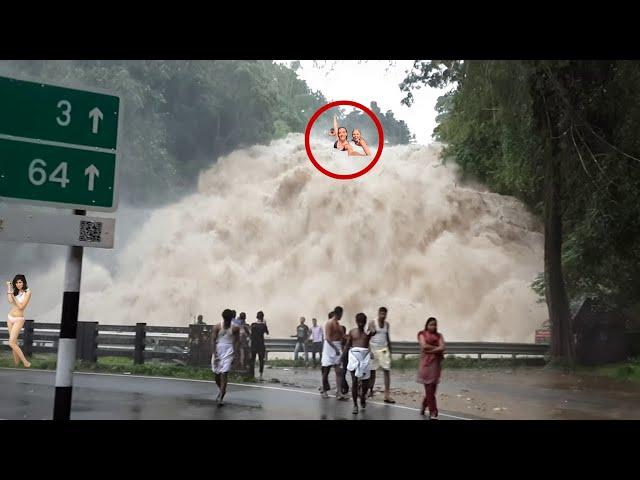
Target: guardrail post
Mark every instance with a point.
(92, 339)
(87, 342)
(195, 332)
(138, 352)
(479, 356)
(200, 348)
(27, 338)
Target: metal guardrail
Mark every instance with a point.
(173, 343)
(453, 348)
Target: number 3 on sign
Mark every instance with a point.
(37, 174)
(66, 113)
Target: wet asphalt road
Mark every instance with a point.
(28, 395)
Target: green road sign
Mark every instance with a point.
(58, 145)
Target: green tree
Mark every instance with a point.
(559, 135)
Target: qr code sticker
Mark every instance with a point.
(90, 231)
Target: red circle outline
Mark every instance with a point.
(323, 109)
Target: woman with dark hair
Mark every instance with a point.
(225, 339)
(18, 295)
(342, 144)
(433, 347)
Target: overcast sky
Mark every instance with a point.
(376, 80)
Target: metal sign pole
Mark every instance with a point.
(68, 330)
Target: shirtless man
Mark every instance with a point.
(331, 351)
(245, 349)
(226, 341)
(357, 348)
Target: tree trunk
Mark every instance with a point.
(555, 291)
(548, 116)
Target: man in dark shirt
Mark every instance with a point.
(258, 330)
(301, 336)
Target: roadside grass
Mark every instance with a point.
(123, 365)
(625, 371)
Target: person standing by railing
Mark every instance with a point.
(245, 349)
(429, 369)
(317, 337)
(301, 336)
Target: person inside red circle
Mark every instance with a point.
(343, 145)
(357, 138)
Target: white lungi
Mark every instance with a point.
(360, 362)
(225, 358)
(329, 355)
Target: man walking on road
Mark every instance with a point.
(331, 354)
(380, 346)
(357, 351)
(258, 331)
(225, 338)
(317, 336)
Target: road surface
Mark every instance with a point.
(28, 395)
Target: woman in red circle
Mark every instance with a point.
(433, 347)
(342, 144)
(357, 138)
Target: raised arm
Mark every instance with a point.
(335, 125)
(10, 292)
(22, 305)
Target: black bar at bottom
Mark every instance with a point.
(62, 403)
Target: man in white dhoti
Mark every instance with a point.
(226, 341)
(357, 347)
(331, 351)
(380, 353)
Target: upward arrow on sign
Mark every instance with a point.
(96, 115)
(58, 160)
(93, 172)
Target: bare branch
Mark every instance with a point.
(612, 146)
(584, 167)
(590, 152)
